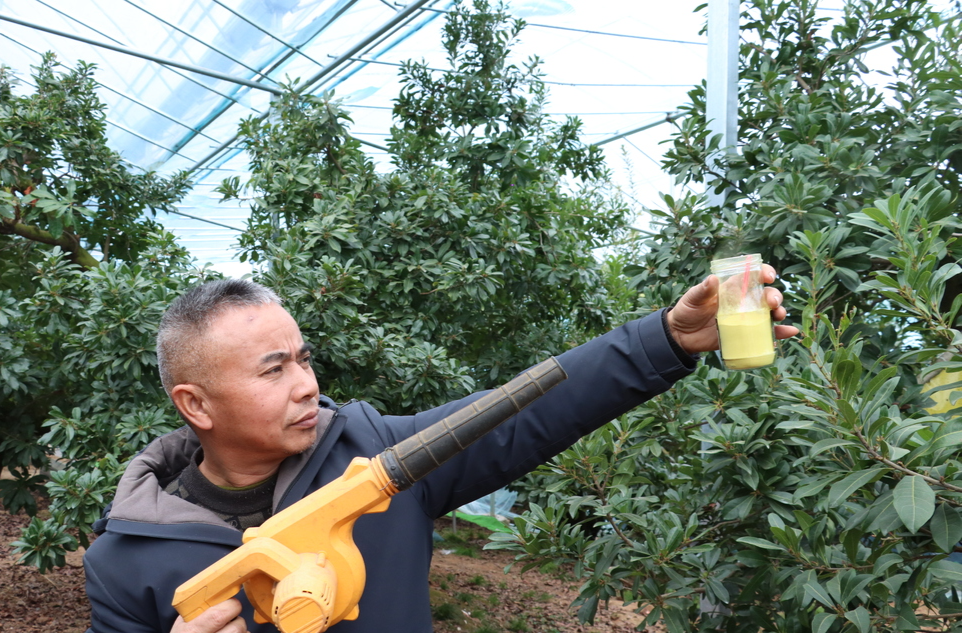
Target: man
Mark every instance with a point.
(260, 437)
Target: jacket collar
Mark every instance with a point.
(140, 499)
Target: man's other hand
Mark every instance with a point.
(692, 320)
(221, 618)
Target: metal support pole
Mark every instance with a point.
(669, 117)
(200, 41)
(277, 63)
(129, 51)
(392, 23)
(373, 37)
(722, 97)
(721, 109)
(274, 37)
(119, 43)
(123, 95)
(200, 219)
(721, 101)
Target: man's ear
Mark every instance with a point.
(193, 404)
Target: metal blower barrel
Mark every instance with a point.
(409, 460)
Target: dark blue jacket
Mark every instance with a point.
(154, 542)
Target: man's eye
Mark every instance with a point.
(307, 359)
(274, 370)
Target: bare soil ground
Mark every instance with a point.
(31, 602)
(470, 592)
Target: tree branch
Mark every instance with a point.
(67, 241)
(333, 159)
(874, 454)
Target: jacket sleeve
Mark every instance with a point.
(106, 614)
(607, 377)
(131, 580)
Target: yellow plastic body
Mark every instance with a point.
(943, 401)
(301, 569)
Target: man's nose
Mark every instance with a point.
(307, 385)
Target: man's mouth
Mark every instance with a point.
(307, 421)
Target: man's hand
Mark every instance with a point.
(221, 618)
(692, 320)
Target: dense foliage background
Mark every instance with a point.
(817, 495)
(85, 274)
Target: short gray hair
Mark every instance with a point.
(181, 348)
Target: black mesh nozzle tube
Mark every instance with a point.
(409, 460)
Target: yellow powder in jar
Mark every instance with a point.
(746, 339)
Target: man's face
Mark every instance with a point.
(262, 393)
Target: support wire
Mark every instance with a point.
(135, 53)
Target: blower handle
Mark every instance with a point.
(409, 460)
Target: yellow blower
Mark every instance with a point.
(301, 569)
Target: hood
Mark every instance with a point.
(140, 494)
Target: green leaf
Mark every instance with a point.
(815, 590)
(718, 588)
(907, 620)
(739, 508)
(760, 542)
(882, 514)
(914, 502)
(828, 444)
(822, 622)
(485, 521)
(946, 527)
(795, 425)
(675, 621)
(885, 562)
(946, 437)
(946, 570)
(848, 373)
(842, 490)
(860, 618)
(56, 227)
(810, 489)
(588, 608)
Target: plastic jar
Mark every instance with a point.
(744, 319)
